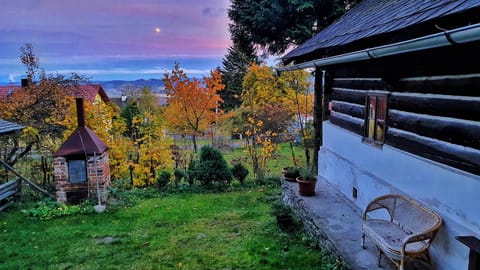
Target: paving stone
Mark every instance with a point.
(335, 223)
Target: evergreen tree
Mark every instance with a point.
(276, 25)
(129, 113)
(235, 65)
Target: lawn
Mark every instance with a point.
(282, 158)
(230, 230)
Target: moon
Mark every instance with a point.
(157, 30)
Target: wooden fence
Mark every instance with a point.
(8, 191)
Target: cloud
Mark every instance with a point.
(127, 71)
(114, 37)
(214, 12)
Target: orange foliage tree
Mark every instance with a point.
(41, 105)
(193, 104)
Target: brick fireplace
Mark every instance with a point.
(81, 164)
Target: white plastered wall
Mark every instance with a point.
(348, 163)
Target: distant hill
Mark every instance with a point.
(117, 87)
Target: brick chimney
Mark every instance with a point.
(80, 112)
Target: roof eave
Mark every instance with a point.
(466, 34)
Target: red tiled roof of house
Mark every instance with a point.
(87, 91)
(6, 90)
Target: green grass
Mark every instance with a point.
(179, 231)
(281, 159)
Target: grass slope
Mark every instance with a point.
(182, 231)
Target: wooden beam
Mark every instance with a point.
(318, 112)
(351, 109)
(466, 85)
(449, 60)
(347, 122)
(360, 83)
(349, 95)
(466, 159)
(465, 133)
(458, 107)
(29, 182)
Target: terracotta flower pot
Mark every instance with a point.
(306, 188)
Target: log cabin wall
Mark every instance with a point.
(437, 118)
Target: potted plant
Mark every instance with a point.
(282, 213)
(306, 182)
(290, 173)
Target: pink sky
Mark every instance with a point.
(86, 34)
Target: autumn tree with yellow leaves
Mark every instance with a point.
(270, 103)
(298, 82)
(152, 146)
(144, 153)
(105, 121)
(193, 104)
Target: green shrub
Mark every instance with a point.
(179, 174)
(212, 167)
(163, 179)
(279, 208)
(239, 172)
(292, 171)
(49, 209)
(191, 172)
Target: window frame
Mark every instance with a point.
(71, 165)
(370, 130)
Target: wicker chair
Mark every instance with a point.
(407, 232)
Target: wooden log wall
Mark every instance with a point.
(437, 118)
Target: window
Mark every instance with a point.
(77, 171)
(376, 116)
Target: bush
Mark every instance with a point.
(239, 172)
(279, 208)
(49, 209)
(163, 179)
(191, 171)
(211, 167)
(179, 174)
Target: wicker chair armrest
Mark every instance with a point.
(426, 236)
(373, 206)
(417, 237)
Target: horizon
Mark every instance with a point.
(130, 73)
(107, 40)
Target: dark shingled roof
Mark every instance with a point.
(82, 142)
(372, 18)
(9, 127)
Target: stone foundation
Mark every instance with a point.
(307, 216)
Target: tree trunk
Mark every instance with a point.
(293, 155)
(194, 141)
